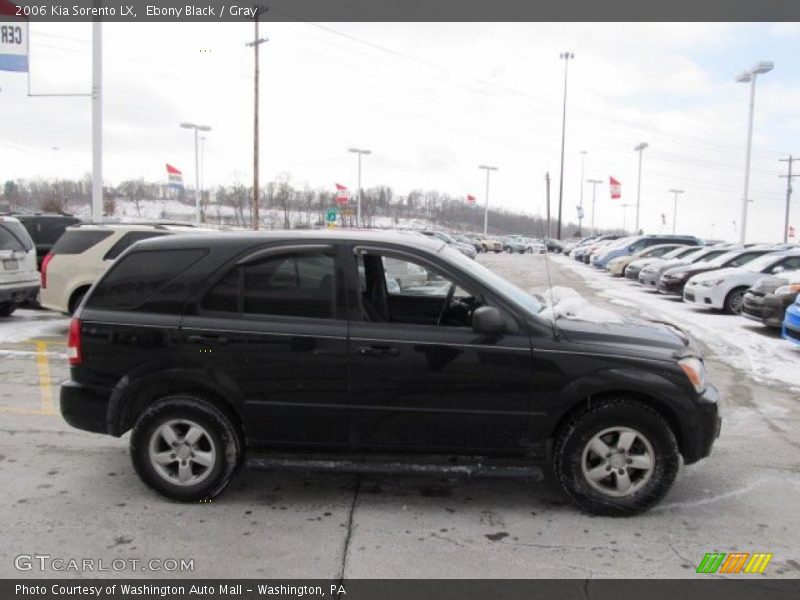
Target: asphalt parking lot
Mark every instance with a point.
(71, 494)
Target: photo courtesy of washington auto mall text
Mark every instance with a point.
(381, 300)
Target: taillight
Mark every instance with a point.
(74, 342)
(45, 262)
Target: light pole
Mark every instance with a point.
(566, 56)
(202, 169)
(675, 209)
(594, 183)
(256, 44)
(625, 216)
(750, 76)
(640, 148)
(197, 129)
(361, 152)
(487, 168)
(97, 121)
(580, 212)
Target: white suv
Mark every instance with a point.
(84, 252)
(19, 280)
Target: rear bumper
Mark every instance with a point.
(769, 310)
(84, 408)
(705, 428)
(791, 324)
(18, 293)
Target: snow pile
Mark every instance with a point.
(566, 303)
(26, 325)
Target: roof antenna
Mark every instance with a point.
(546, 257)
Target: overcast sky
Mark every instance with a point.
(432, 101)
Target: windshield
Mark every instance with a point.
(682, 252)
(494, 281)
(763, 262)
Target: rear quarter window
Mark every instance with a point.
(128, 240)
(13, 236)
(140, 275)
(78, 241)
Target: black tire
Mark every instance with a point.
(484, 249)
(508, 249)
(222, 432)
(574, 436)
(7, 308)
(734, 301)
(529, 250)
(75, 301)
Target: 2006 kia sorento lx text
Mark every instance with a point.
(296, 345)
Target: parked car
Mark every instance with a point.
(465, 239)
(203, 346)
(534, 246)
(674, 280)
(791, 323)
(512, 244)
(582, 252)
(490, 244)
(19, 279)
(45, 229)
(618, 266)
(651, 274)
(466, 249)
(83, 253)
(769, 298)
(639, 243)
(553, 246)
(680, 253)
(724, 289)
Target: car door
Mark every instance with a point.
(423, 379)
(273, 327)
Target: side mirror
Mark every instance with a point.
(487, 319)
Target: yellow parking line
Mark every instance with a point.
(26, 411)
(45, 388)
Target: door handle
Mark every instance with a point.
(207, 339)
(379, 351)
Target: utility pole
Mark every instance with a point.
(594, 183)
(97, 121)
(625, 216)
(202, 172)
(361, 152)
(675, 209)
(566, 56)
(639, 148)
(486, 168)
(580, 212)
(547, 183)
(255, 44)
(788, 177)
(197, 129)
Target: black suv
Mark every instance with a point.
(370, 348)
(45, 229)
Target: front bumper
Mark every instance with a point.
(671, 287)
(17, 294)
(791, 324)
(769, 309)
(705, 428)
(701, 295)
(85, 408)
(649, 279)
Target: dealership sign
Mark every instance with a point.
(13, 39)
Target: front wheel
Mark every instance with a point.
(616, 458)
(734, 301)
(186, 448)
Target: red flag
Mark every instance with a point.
(615, 187)
(172, 170)
(470, 199)
(342, 194)
(174, 176)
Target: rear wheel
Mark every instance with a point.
(734, 301)
(616, 458)
(508, 250)
(186, 448)
(7, 308)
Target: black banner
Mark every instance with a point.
(178, 11)
(412, 589)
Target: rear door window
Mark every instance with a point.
(140, 275)
(128, 240)
(78, 241)
(13, 236)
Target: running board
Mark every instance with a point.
(368, 467)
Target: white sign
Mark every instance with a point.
(13, 44)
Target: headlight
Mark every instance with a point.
(784, 290)
(710, 283)
(695, 371)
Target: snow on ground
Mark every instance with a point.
(24, 325)
(736, 341)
